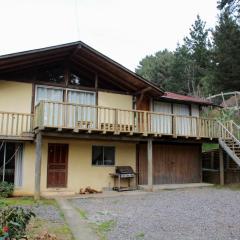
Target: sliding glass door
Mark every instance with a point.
(81, 111)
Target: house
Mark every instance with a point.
(69, 115)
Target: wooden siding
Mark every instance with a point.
(172, 163)
(142, 166)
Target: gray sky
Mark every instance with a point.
(125, 30)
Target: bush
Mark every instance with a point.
(15, 220)
(6, 189)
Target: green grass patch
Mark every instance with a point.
(27, 201)
(39, 226)
(103, 228)
(209, 146)
(233, 186)
(140, 235)
(82, 213)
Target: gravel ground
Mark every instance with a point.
(47, 213)
(206, 214)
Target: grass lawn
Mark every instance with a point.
(49, 217)
(209, 146)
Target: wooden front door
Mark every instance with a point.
(57, 165)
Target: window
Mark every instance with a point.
(52, 74)
(77, 79)
(103, 155)
(48, 93)
(11, 162)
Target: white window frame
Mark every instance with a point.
(49, 87)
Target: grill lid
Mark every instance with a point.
(124, 170)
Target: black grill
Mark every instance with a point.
(125, 172)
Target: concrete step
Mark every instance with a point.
(57, 192)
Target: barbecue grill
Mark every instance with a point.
(124, 173)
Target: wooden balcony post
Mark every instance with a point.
(174, 127)
(221, 166)
(38, 160)
(150, 164)
(145, 124)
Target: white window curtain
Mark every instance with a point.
(18, 176)
(183, 124)
(55, 95)
(85, 115)
(161, 123)
(195, 113)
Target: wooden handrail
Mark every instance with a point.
(121, 109)
(91, 117)
(15, 124)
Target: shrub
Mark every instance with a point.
(15, 220)
(6, 189)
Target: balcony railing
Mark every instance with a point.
(14, 124)
(89, 118)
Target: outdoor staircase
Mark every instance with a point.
(230, 143)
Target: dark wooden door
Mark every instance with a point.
(172, 163)
(142, 165)
(57, 165)
(176, 163)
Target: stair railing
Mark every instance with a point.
(227, 134)
(235, 129)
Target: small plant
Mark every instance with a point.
(103, 228)
(14, 220)
(4, 233)
(6, 189)
(140, 235)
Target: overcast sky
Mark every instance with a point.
(124, 30)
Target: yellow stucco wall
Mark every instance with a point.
(81, 173)
(28, 170)
(15, 96)
(114, 100)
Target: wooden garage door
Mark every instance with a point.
(172, 163)
(57, 165)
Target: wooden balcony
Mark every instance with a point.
(84, 118)
(16, 126)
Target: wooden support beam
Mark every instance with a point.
(142, 91)
(38, 164)
(150, 164)
(221, 166)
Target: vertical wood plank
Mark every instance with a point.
(150, 164)
(38, 160)
(221, 166)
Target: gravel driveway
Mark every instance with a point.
(206, 214)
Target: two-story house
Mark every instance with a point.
(69, 115)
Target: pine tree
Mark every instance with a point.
(227, 53)
(193, 59)
(157, 68)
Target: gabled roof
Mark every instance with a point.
(183, 98)
(82, 54)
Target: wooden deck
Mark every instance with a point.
(96, 119)
(76, 118)
(16, 126)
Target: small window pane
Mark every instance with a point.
(109, 155)
(97, 155)
(53, 74)
(77, 79)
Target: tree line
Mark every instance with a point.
(208, 60)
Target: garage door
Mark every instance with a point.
(172, 163)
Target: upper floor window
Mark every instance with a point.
(53, 74)
(77, 79)
(48, 93)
